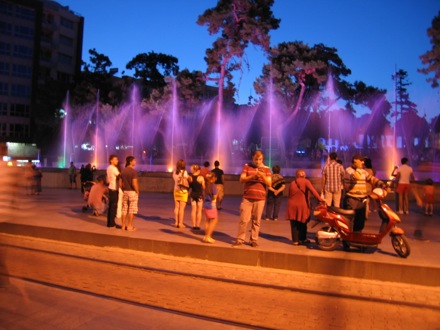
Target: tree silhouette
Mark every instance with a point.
(432, 57)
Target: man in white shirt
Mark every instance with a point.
(404, 177)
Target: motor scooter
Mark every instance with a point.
(340, 228)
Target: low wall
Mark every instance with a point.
(162, 182)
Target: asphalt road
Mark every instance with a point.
(56, 285)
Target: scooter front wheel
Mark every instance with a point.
(401, 245)
(327, 239)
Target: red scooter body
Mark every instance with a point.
(340, 224)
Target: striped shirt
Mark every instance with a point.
(358, 182)
(333, 173)
(255, 189)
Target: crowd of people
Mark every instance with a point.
(116, 194)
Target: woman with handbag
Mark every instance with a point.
(298, 207)
(181, 187)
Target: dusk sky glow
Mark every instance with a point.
(372, 37)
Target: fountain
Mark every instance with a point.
(159, 136)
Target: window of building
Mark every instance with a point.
(47, 36)
(5, 28)
(20, 90)
(23, 32)
(45, 55)
(3, 129)
(21, 71)
(64, 58)
(19, 130)
(20, 110)
(6, 8)
(5, 49)
(4, 88)
(66, 23)
(48, 18)
(25, 13)
(66, 40)
(22, 51)
(3, 109)
(4, 69)
(62, 76)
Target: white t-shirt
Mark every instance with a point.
(405, 172)
(112, 174)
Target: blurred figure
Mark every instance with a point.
(29, 177)
(205, 169)
(298, 207)
(197, 187)
(181, 179)
(428, 197)
(210, 206)
(72, 176)
(275, 194)
(404, 176)
(394, 184)
(256, 177)
(37, 177)
(220, 182)
(97, 198)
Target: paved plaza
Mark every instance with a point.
(57, 214)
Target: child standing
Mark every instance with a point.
(210, 206)
(428, 190)
(275, 194)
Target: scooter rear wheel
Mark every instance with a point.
(401, 245)
(327, 244)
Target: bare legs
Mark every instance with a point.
(179, 209)
(209, 229)
(196, 213)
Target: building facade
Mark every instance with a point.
(40, 42)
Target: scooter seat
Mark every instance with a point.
(341, 211)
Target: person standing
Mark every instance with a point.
(220, 182)
(197, 186)
(256, 177)
(404, 177)
(113, 180)
(357, 195)
(181, 186)
(210, 207)
(428, 196)
(130, 197)
(298, 207)
(205, 169)
(275, 194)
(332, 181)
(72, 175)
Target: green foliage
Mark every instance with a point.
(238, 23)
(152, 68)
(431, 59)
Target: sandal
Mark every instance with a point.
(131, 229)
